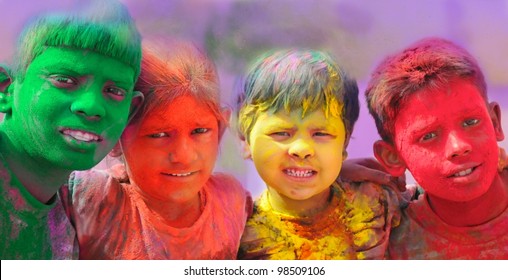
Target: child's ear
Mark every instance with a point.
(389, 158)
(344, 155)
(5, 96)
(495, 116)
(137, 101)
(224, 122)
(245, 149)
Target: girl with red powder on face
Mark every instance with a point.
(164, 202)
(431, 109)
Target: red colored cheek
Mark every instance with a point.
(419, 168)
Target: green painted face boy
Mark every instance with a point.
(66, 99)
(70, 108)
(66, 114)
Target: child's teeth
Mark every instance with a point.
(463, 173)
(81, 136)
(298, 173)
(181, 174)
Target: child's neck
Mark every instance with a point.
(40, 180)
(298, 208)
(176, 214)
(474, 212)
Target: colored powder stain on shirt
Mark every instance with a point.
(355, 224)
(423, 235)
(30, 229)
(113, 222)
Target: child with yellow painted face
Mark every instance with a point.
(295, 115)
(164, 202)
(66, 102)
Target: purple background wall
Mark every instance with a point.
(359, 32)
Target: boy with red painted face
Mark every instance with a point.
(164, 202)
(295, 115)
(431, 109)
(65, 104)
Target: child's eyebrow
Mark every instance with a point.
(65, 67)
(279, 125)
(155, 127)
(324, 127)
(471, 111)
(202, 120)
(418, 126)
(159, 124)
(60, 67)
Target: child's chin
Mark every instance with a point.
(464, 195)
(302, 196)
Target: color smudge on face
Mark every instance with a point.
(452, 130)
(178, 145)
(298, 158)
(70, 118)
(300, 216)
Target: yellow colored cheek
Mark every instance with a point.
(265, 149)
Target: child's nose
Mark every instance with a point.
(301, 148)
(182, 151)
(89, 104)
(457, 145)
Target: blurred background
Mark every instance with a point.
(360, 33)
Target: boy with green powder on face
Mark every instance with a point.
(66, 105)
(295, 114)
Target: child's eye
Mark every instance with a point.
(428, 136)
(280, 133)
(115, 92)
(61, 81)
(470, 122)
(158, 135)
(200, 130)
(322, 134)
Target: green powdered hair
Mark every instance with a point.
(104, 27)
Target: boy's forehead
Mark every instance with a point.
(317, 118)
(69, 53)
(59, 55)
(426, 96)
(82, 61)
(460, 99)
(178, 112)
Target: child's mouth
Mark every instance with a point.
(299, 172)
(81, 135)
(463, 173)
(179, 174)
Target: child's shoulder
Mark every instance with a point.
(371, 211)
(91, 183)
(99, 176)
(228, 187)
(227, 190)
(225, 182)
(366, 190)
(362, 195)
(87, 178)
